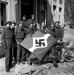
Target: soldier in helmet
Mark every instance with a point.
(7, 39)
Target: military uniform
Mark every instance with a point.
(25, 26)
(47, 30)
(58, 33)
(33, 26)
(20, 35)
(23, 23)
(14, 48)
(7, 39)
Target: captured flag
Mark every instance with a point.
(39, 44)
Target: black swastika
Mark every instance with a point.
(40, 42)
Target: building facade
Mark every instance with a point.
(57, 9)
(69, 10)
(40, 8)
(44, 10)
(72, 10)
(29, 7)
(3, 12)
(7, 11)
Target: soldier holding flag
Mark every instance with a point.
(20, 35)
(58, 34)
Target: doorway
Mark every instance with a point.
(3, 14)
(26, 8)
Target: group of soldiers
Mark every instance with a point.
(14, 33)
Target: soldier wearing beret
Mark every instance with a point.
(14, 48)
(20, 35)
(7, 39)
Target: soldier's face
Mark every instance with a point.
(32, 16)
(38, 26)
(42, 24)
(24, 18)
(7, 25)
(13, 25)
(20, 25)
(31, 25)
(52, 25)
(57, 24)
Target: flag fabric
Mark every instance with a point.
(39, 44)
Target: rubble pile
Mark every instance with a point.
(45, 69)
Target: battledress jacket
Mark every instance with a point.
(20, 34)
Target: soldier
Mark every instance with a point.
(58, 31)
(58, 34)
(24, 21)
(25, 24)
(38, 26)
(46, 29)
(43, 27)
(7, 38)
(20, 35)
(14, 48)
(33, 24)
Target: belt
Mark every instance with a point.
(19, 38)
(8, 38)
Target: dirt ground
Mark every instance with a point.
(66, 68)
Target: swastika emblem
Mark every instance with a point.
(40, 42)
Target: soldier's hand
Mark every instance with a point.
(18, 43)
(29, 35)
